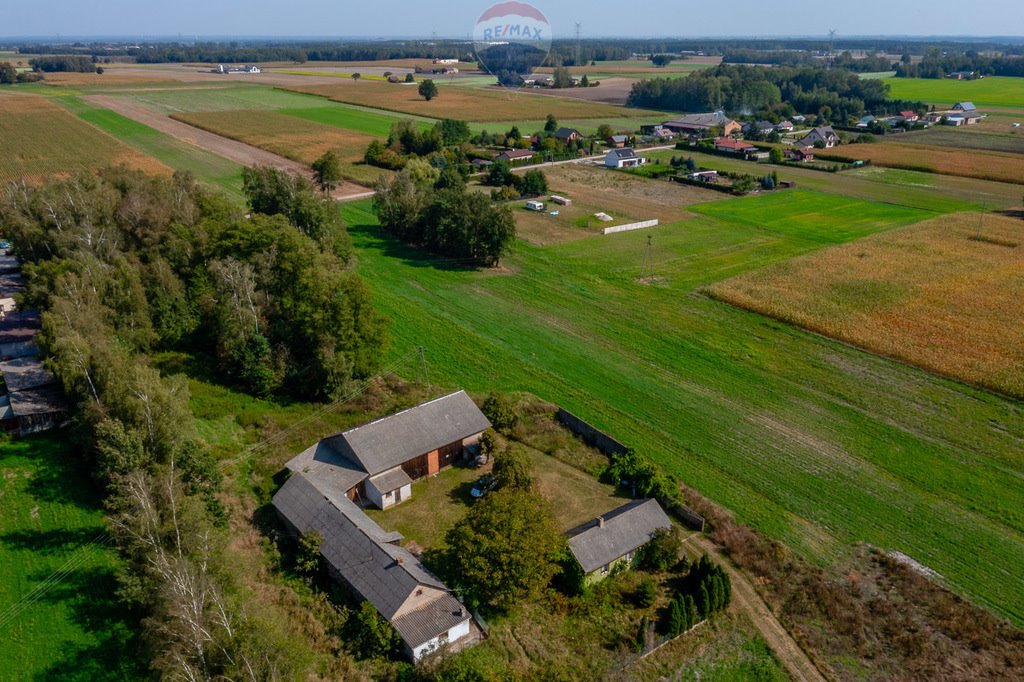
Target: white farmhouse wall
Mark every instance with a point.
(456, 633)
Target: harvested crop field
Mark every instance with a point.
(933, 294)
(111, 77)
(39, 139)
(466, 103)
(294, 138)
(992, 137)
(984, 165)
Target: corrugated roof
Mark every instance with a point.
(625, 529)
(384, 574)
(332, 473)
(42, 400)
(391, 480)
(24, 373)
(425, 623)
(392, 441)
(19, 327)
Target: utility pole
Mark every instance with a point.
(421, 366)
(647, 268)
(579, 32)
(831, 46)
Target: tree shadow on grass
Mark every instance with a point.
(375, 238)
(115, 651)
(59, 473)
(54, 541)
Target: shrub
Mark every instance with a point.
(662, 552)
(500, 411)
(646, 592)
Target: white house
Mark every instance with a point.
(623, 158)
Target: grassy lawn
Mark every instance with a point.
(994, 91)
(58, 620)
(813, 442)
(439, 503)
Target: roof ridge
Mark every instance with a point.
(396, 414)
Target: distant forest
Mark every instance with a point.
(788, 52)
(937, 65)
(835, 94)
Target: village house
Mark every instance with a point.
(909, 116)
(618, 141)
(702, 125)
(515, 156)
(612, 540)
(623, 158)
(968, 112)
(372, 564)
(567, 135)
(738, 147)
(376, 464)
(804, 154)
(824, 135)
(784, 126)
(708, 176)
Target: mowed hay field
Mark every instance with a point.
(39, 139)
(994, 91)
(292, 137)
(931, 294)
(984, 165)
(468, 103)
(816, 443)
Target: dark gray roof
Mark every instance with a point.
(43, 400)
(384, 574)
(8, 263)
(625, 529)
(517, 153)
(711, 120)
(965, 106)
(624, 153)
(11, 283)
(392, 441)
(425, 623)
(19, 327)
(566, 133)
(24, 373)
(391, 480)
(332, 473)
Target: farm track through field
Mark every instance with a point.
(745, 598)
(233, 150)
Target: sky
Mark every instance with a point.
(455, 18)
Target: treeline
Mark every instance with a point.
(121, 264)
(869, 64)
(271, 295)
(834, 93)
(938, 65)
(441, 145)
(76, 64)
(432, 209)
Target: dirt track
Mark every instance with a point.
(745, 597)
(239, 152)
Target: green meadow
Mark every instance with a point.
(813, 442)
(995, 91)
(58, 616)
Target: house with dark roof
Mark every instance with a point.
(372, 564)
(612, 540)
(617, 141)
(515, 156)
(568, 135)
(623, 158)
(701, 125)
(825, 135)
(377, 463)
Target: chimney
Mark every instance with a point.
(600, 522)
(400, 561)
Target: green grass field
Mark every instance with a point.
(813, 442)
(994, 91)
(58, 618)
(209, 168)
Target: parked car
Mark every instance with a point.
(4, 244)
(484, 485)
